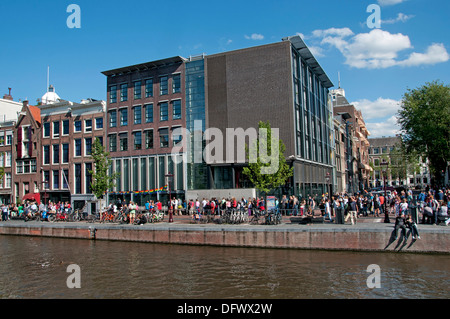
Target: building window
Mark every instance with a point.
(163, 85)
(176, 83)
(148, 109)
(55, 153)
(88, 177)
(77, 178)
(123, 117)
(112, 118)
(88, 145)
(137, 114)
(163, 111)
(113, 143)
(164, 137)
(176, 106)
(177, 138)
(77, 126)
(8, 159)
(123, 92)
(9, 138)
(66, 127)
(137, 90)
(65, 178)
(8, 180)
(88, 125)
(149, 88)
(148, 139)
(56, 179)
(78, 147)
(123, 140)
(46, 156)
(137, 140)
(113, 94)
(99, 123)
(65, 153)
(55, 129)
(47, 129)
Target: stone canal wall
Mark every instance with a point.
(362, 237)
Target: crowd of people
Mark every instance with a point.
(433, 205)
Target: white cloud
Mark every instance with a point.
(389, 2)
(339, 32)
(378, 49)
(316, 51)
(380, 108)
(400, 18)
(389, 127)
(254, 36)
(436, 53)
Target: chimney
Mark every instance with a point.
(8, 96)
(25, 103)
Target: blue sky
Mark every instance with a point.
(376, 66)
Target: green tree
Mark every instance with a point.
(255, 172)
(424, 119)
(101, 180)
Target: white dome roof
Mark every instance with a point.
(50, 97)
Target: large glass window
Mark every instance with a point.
(137, 114)
(164, 137)
(176, 106)
(88, 145)
(113, 94)
(148, 139)
(148, 113)
(56, 128)
(124, 92)
(137, 90)
(123, 116)
(99, 123)
(113, 143)
(77, 126)
(163, 111)
(149, 88)
(112, 118)
(137, 140)
(151, 173)
(123, 139)
(176, 83)
(88, 179)
(163, 85)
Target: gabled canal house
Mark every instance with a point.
(53, 143)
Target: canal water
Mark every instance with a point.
(34, 267)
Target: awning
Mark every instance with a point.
(32, 197)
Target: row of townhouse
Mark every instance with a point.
(146, 106)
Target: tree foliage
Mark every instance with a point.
(255, 171)
(424, 119)
(101, 179)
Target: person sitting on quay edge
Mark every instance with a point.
(412, 226)
(443, 211)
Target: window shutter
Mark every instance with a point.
(19, 142)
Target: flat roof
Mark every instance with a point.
(306, 54)
(145, 66)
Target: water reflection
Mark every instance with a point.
(36, 268)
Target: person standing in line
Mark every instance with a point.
(353, 210)
(328, 209)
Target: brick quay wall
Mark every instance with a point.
(373, 236)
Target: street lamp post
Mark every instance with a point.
(386, 214)
(169, 176)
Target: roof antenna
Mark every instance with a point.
(48, 77)
(339, 79)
